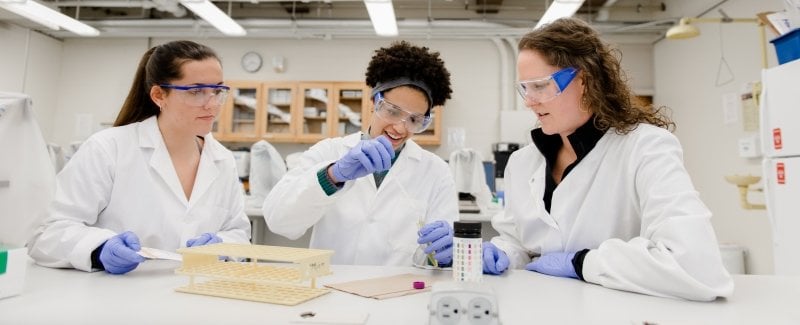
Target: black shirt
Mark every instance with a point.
(583, 141)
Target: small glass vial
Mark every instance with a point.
(467, 251)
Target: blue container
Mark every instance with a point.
(787, 46)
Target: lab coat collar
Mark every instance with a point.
(150, 137)
(207, 171)
(582, 140)
(585, 138)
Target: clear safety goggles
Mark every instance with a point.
(393, 114)
(200, 94)
(544, 89)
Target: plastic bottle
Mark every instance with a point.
(467, 250)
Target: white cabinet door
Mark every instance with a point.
(782, 184)
(780, 110)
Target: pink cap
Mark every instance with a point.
(419, 285)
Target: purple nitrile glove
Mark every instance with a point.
(366, 157)
(555, 264)
(204, 239)
(439, 235)
(495, 260)
(118, 254)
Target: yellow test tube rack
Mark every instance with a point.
(271, 274)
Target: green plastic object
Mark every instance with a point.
(3, 261)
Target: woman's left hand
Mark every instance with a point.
(204, 239)
(440, 236)
(555, 264)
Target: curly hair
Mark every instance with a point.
(417, 63)
(570, 42)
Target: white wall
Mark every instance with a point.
(685, 77)
(473, 65)
(30, 64)
(637, 62)
(96, 74)
(95, 77)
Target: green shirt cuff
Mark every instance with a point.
(325, 182)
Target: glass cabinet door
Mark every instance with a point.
(314, 109)
(278, 122)
(241, 111)
(351, 100)
(431, 135)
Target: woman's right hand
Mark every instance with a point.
(119, 253)
(366, 157)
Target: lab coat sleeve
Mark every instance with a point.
(444, 202)
(297, 202)
(676, 254)
(506, 225)
(83, 187)
(236, 228)
(508, 241)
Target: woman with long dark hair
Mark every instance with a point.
(156, 179)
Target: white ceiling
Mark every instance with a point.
(636, 21)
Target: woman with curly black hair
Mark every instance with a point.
(366, 194)
(601, 194)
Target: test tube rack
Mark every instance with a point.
(271, 274)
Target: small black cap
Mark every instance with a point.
(467, 229)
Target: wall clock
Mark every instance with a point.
(251, 62)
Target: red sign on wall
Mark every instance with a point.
(781, 173)
(777, 142)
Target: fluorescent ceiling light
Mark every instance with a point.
(210, 13)
(381, 13)
(559, 9)
(46, 16)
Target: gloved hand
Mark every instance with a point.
(367, 157)
(495, 260)
(204, 239)
(119, 253)
(439, 235)
(556, 264)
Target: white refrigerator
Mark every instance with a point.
(780, 134)
(27, 176)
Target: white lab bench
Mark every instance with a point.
(147, 296)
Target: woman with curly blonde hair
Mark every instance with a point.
(601, 194)
(364, 194)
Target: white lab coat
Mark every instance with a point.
(123, 179)
(630, 201)
(466, 165)
(266, 169)
(361, 223)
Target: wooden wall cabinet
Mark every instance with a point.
(238, 121)
(301, 112)
(278, 122)
(352, 104)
